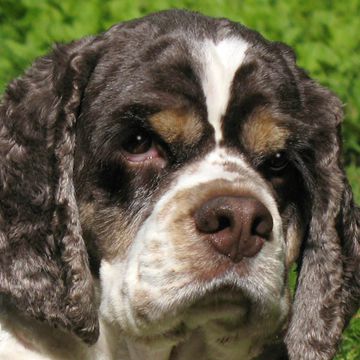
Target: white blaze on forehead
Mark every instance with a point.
(221, 60)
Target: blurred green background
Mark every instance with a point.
(325, 35)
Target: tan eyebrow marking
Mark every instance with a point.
(263, 133)
(177, 125)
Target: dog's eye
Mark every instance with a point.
(139, 146)
(277, 162)
(138, 143)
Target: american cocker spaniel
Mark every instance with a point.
(157, 183)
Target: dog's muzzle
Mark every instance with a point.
(214, 237)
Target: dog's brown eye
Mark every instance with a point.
(138, 143)
(139, 146)
(278, 161)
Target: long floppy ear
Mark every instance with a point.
(328, 287)
(44, 269)
(349, 230)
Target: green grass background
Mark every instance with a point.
(325, 35)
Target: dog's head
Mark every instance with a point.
(187, 162)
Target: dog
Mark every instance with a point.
(157, 184)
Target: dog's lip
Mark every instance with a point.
(174, 334)
(225, 296)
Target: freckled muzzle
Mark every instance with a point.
(213, 229)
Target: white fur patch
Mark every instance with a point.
(220, 61)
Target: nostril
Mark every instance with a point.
(224, 223)
(211, 222)
(262, 226)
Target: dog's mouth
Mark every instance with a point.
(224, 295)
(225, 307)
(219, 304)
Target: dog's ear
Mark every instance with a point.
(349, 229)
(328, 286)
(44, 269)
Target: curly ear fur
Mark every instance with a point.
(328, 285)
(349, 229)
(44, 268)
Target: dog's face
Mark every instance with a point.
(202, 160)
(188, 183)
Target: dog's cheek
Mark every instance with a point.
(136, 289)
(107, 230)
(294, 237)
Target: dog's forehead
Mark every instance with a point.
(220, 61)
(193, 74)
(229, 83)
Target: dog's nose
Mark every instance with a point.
(235, 226)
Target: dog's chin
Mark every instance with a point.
(223, 309)
(223, 306)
